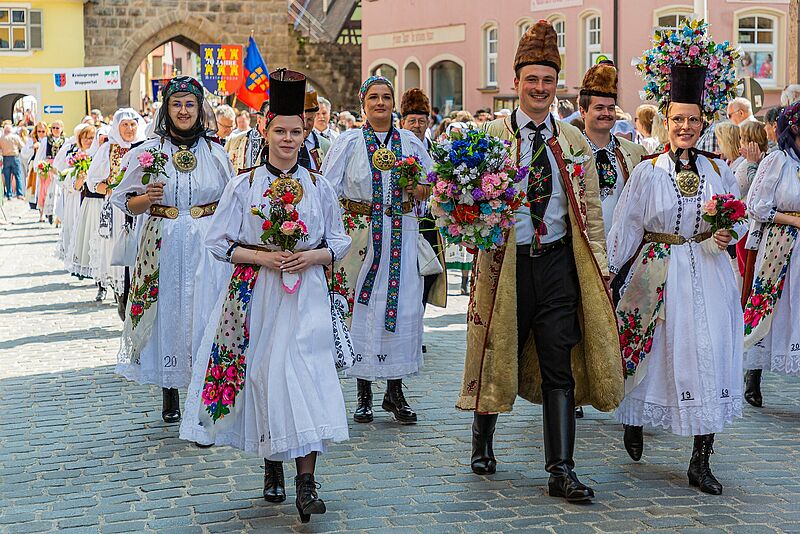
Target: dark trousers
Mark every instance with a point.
(547, 308)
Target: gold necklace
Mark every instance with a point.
(184, 160)
(383, 158)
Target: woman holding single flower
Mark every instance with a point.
(264, 378)
(679, 316)
(177, 179)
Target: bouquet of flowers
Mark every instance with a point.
(80, 163)
(411, 171)
(722, 212)
(44, 167)
(690, 45)
(475, 191)
(153, 163)
(282, 228)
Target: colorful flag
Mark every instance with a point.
(255, 89)
(222, 68)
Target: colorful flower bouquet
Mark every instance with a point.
(44, 167)
(722, 212)
(153, 163)
(411, 172)
(80, 163)
(475, 190)
(283, 228)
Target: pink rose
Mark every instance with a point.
(216, 372)
(231, 373)
(710, 207)
(694, 50)
(210, 394)
(136, 310)
(228, 395)
(288, 227)
(145, 159)
(289, 208)
(302, 226)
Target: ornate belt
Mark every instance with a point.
(675, 239)
(791, 213)
(365, 208)
(256, 247)
(172, 212)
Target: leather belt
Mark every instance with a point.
(674, 239)
(172, 212)
(89, 194)
(365, 208)
(256, 247)
(527, 250)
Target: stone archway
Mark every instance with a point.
(7, 103)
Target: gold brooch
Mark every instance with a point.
(688, 183)
(384, 159)
(184, 160)
(287, 183)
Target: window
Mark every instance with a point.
(20, 29)
(757, 37)
(491, 56)
(560, 26)
(593, 38)
(522, 28)
(672, 21)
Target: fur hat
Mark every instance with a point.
(415, 102)
(539, 46)
(311, 104)
(600, 80)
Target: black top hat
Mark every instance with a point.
(687, 84)
(287, 92)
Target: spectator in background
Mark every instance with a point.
(226, 119)
(322, 122)
(482, 117)
(729, 145)
(97, 117)
(790, 95)
(346, 121)
(10, 146)
(771, 127)
(566, 109)
(645, 114)
(242, 123)
(660, 132)
(740, 110)
(436, 115)
(754, 146)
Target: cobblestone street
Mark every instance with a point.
(83, 450)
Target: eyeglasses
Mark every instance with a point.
(732, 113)
(693, 121)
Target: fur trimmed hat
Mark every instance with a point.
(415, 102)
(311, 102)
(539, 46)
(600, 80)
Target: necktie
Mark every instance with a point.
(304, 158)
(540, 181)
(606, 171)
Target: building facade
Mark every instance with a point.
(37, 38)
(461, 51)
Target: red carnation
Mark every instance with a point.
(266, 226)
(287, 198)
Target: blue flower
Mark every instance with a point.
(486, 209)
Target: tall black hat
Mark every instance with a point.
(687, 84)
(287, 92)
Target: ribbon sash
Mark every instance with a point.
(396, 215)
(768, 283)
(227, 366)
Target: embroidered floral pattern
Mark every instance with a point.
(354, 221)
(144, 284)
(227, 366)
(341, 286)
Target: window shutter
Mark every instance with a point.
(35, 34)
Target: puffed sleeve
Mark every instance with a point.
(335, 236)
(60, 161)
(226, 223)
(762, 205)
(595, 227)
(27, 153)
(745, 173)
(131, 183)
(627, 229)
(98, 170)
(41, 152)
(335, 164)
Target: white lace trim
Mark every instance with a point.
(683, 421)
(760, 358)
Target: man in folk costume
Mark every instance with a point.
(540, 320)
(415, 108)
(315, 146)
(246, 149)
(614, 157)
(380, 276)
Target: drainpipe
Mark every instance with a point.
(616, 33)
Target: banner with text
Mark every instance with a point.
(222, 69)
(88, 79)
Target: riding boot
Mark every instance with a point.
(752, 388)
(274, 484)
(483, 460)
(634, 441)
(395, 402)
(363, 413)
(171, 405)
(307, 500)
(699, 473)
(558, 414)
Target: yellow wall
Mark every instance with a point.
(62, 43)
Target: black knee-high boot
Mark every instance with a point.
(752, 388)
(558, 413)
(171, 405)
(483, 461)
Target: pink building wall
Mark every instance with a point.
(399, 32)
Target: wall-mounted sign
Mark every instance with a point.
(538, 5)
(424, 36)
(88, 79)
(54, 110)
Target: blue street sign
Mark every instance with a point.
(54, 110)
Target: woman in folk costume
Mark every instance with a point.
(380, 277)
(772, 339)
(71, 185)
(127, 128)
(540, 323)
(288, 404)
(179, 192)
(28, 159)
(679, 315)
(48, 148)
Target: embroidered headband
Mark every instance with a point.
(182, 84)
(372, 80)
